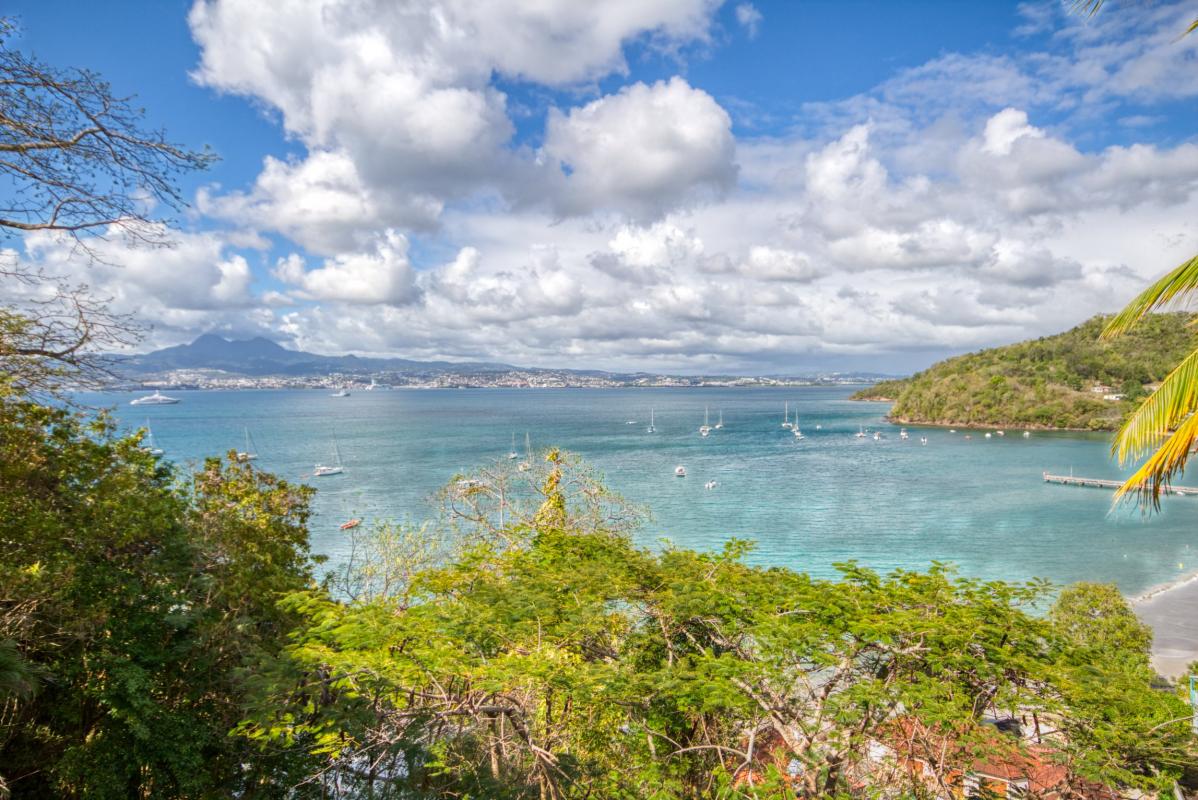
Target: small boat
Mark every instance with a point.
(630, 422)
(1027, 434)
(819, 427)
(713, 484)
(526, 464)
(705, 428)
(151, 446)
(512, 454)
(250, 453)
(786, 415)
(350, 524)
(923, 440)
(860, 434)
(1000, 433)
(375, 386)
(952, 430)
(904, 435)
(340, 393)
(652, 428)
(719, 425)
(877, 436)
(987, 435)
(968, 436)
(679, 471)
(156, 399)
(322, 470)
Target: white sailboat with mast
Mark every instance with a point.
(512, 455)
(786, 416)
(335, 468)
(652, 428)
(151, 446)
(526, 464)
(250, 453)
(720, 425)
(705, 428)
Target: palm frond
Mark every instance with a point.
(1087, 7)
(1174, 287)
(1162, 411)
(1154, 475)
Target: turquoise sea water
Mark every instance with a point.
(979, 503)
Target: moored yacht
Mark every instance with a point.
(705, 428)
(652, 428)
(786, 415)
(250, 453)
(512, 454)
(335, 468)
(679, 471)
(156, 399)
(151, 446)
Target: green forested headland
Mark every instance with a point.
(1049, 382)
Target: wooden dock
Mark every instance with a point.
(1100, 483)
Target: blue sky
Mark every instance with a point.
(679, 185)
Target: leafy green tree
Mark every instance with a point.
(130, 609)
(554, 662)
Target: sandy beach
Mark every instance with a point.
(1172, 611)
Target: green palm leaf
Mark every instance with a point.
(1173, 288)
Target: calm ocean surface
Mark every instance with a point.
(978, 503)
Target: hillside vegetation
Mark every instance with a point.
(1044, 383)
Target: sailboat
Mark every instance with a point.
(250, 453)
(798, 432)
(903, 434)
(334, 469)
(526, 464)
(652, 428)
(860, 432)
(342, 392)
(705, 428)
(150, 446)
(786, 416)
(719, 425)
(512, 454)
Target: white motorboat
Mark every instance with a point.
(710, 485)
(340, 393)
(156, 399)
(923, 440)
(1027, 434)
(903, 434)
(679, 471)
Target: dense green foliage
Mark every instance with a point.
(1046, 382)
(163, 640)
(129, 608)
(554, 662)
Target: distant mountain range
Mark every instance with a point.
(262, 358)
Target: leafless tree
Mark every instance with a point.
(75, 161)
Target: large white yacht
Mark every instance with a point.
(156, 399)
